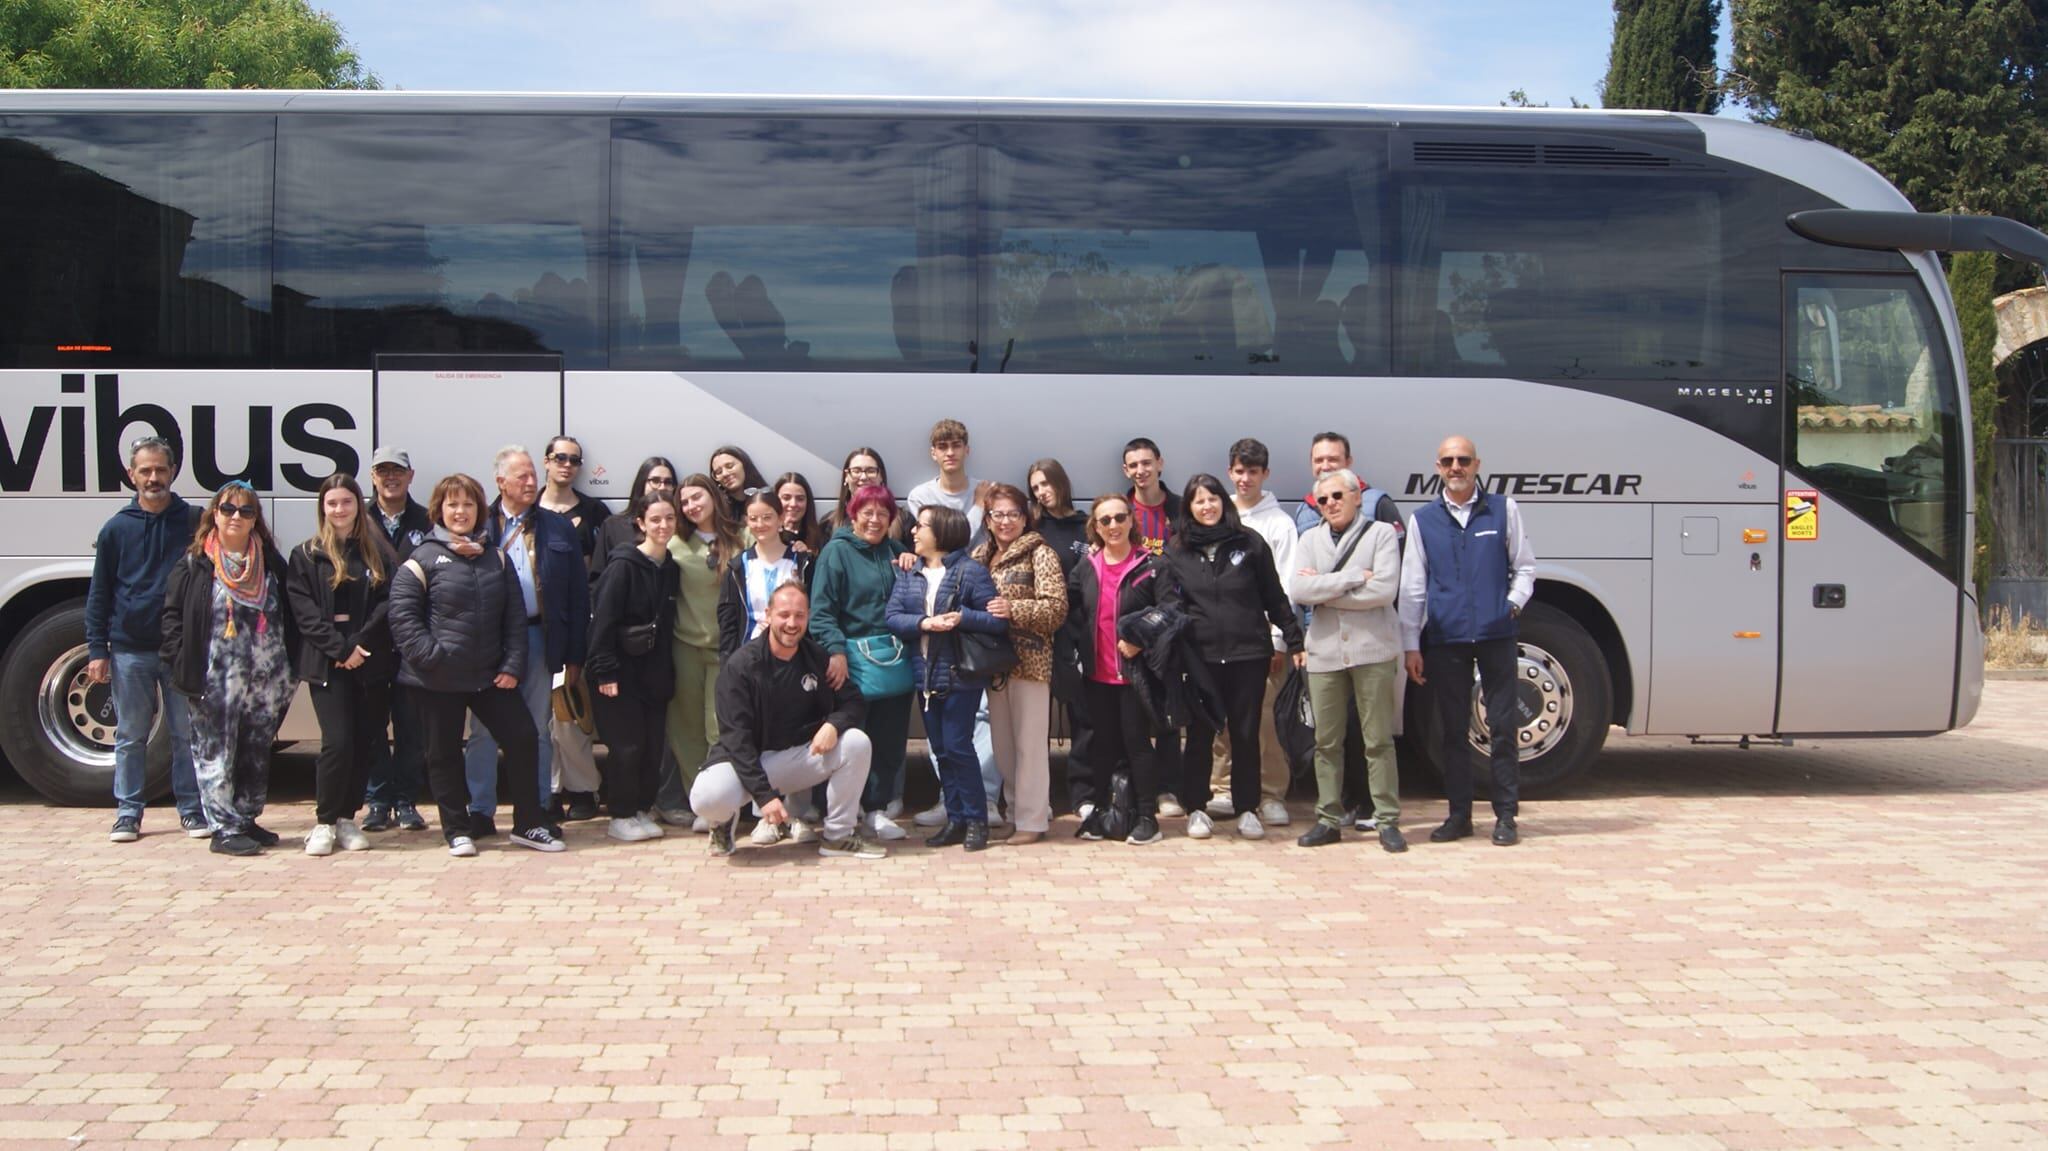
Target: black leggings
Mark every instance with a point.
(1121, 740)
(1242, 683)
(632, 727)
(502, 713)
(353, 713)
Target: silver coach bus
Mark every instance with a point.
(1716, 363)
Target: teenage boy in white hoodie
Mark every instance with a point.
(1250, 464)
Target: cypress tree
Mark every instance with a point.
(1663, 56)
(1971, 278)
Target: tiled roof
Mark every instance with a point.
(1860, 417)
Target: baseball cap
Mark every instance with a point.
(391, 456)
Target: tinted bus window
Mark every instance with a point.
(1575, 275)
(1184, 248)
(793, 245)
(440, 234)
(147, 236)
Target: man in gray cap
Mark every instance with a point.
(395, 770)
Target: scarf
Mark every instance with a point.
(465, 546)
(243, 577)
(1202, 537)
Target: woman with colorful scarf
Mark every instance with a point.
(230, 643)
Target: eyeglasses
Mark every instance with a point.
(243, 511)
(1328, 498)
(863, 471)
(660, 482)
(1113, 518)
(1454, 461)
(565, 458)
(1006, 515)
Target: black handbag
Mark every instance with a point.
(637, 639)
(985, 657)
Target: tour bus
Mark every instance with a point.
(1716, 363)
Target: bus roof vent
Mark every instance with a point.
(1475, 152)
(1601, 156)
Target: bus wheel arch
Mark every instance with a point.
(1567, 685)
(55, 729)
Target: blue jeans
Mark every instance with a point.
(985, 754)
(138, 677)
(480, 759)
(949, 730)
(397, 766)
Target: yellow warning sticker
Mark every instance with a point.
(1802, 515)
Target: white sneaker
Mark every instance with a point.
(700, 826)
(1084, 811)
(673, 816)
(767, 834)
(1222, 808)
(1273, 813)
(1249, 827)
(349, 836)
(320, 840)
(1366, 820)
(462, 847)
(801, 832)
(648, 824)
(894, 809)
(1170, 808)
(1200, 826)
(882, 827)
(933, 816)
(627, 830)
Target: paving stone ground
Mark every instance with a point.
(1834, 945)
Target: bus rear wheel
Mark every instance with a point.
(56, 726)
(1563, 699)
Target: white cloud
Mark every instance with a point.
(1347, 51)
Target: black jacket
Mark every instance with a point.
(588, 518)
(1229, 600)
(560, 574)
(1171, 682)
(414, 525)
(461, 627)
(1084, 593)
(1067, 536)
(634, 590)
(732, 596)
(309, 586)
(188, 619)
(754, 720)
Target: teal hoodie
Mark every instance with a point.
(850, 586)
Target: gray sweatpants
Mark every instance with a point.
(717, 795)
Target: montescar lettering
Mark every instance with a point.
(199, 437)
(1539, 484)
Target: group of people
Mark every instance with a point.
(743, 658)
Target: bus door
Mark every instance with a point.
(452, 413)
(1873, 504)
(1714, 652)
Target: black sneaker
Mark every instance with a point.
(236, 844)
(582, 806)
(1321, 835)
(539, 839)
(482, 826)
(261, 834)
(852, 847)
(376, 817)
(127, 829)
(408, 816)
(194, 826)
(1505, 833)
(1091, 827)
(1391, 838)
(1145, 831)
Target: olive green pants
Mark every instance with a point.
(1372, 687)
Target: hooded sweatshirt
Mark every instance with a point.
(633, 590)
(1276, 527)
(131, 562)
(1067, 535)
(850, 586)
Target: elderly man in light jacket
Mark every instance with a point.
(1350, 572)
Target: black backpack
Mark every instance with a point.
(1117, 816)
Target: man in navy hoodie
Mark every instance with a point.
(132, 559)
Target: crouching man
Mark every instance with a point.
(783, 728)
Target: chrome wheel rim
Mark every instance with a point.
(1543, 705)
(77, 715)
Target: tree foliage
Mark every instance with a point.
(174, 44)
(1663, 56)
(1971, 280)
(1944, 97)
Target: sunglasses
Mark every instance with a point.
(242, 511)
(1114, 518)
(1454, 461)
(565, 458)
(1328, 498)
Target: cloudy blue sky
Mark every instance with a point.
(1344, 51)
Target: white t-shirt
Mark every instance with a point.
(929, 492)
(762, 580)
(932, 578)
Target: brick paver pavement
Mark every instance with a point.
(1836, 945)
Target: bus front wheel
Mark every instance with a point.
(1564, 701)
(56, 726)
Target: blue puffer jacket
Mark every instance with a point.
(965, 587)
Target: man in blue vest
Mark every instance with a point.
(1466, 575)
